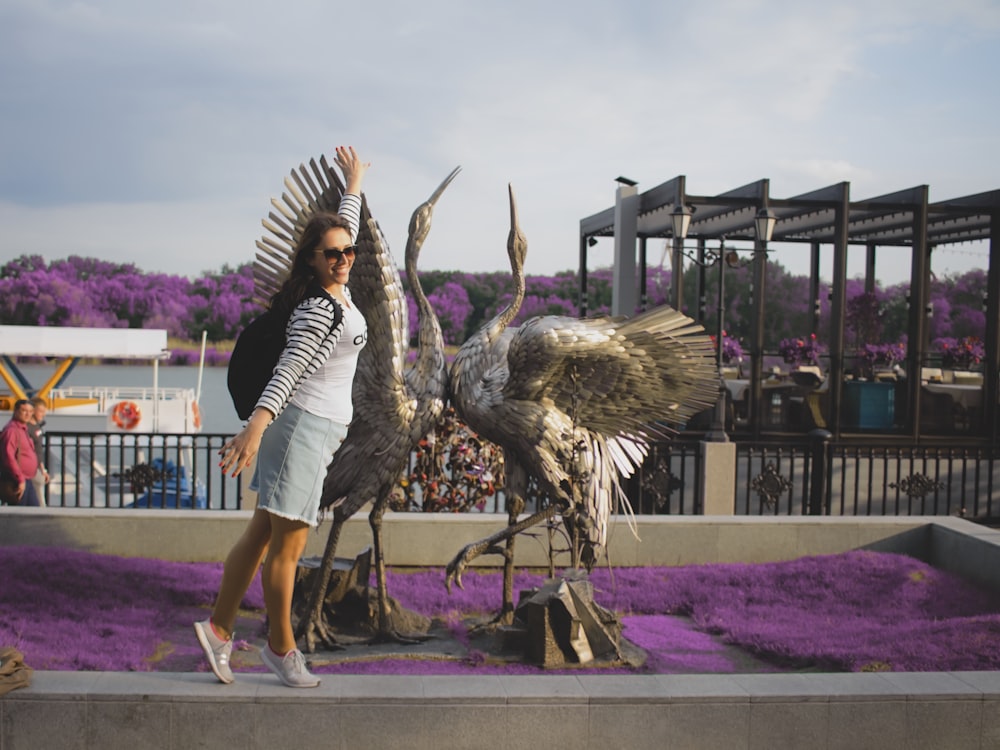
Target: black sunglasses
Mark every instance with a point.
(333, 253)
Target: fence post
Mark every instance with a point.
(718, 478)
(819, 447)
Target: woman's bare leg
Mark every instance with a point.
(241, 566)
(288, 541)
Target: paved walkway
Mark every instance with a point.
(167, 711)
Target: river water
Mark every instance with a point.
(217, 412)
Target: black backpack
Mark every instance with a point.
(256, 354)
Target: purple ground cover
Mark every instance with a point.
(71, 610)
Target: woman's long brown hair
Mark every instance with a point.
(293, 289)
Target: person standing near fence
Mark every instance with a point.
(36, 431)
(299, 422)
(18, 462)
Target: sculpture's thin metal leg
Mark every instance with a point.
(312, 627)
(385, 628)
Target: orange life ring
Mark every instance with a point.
(197, 415)
(126, 415)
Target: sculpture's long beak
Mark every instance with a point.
(447, 181)
(515, 228)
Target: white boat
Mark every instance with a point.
(97, 408)
(128, 426)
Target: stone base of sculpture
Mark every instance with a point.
(351, 605)
(558, 625)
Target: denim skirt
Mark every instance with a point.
(294, 454)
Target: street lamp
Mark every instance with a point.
(680, 221)
(764, 223)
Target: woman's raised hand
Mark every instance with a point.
(353, 168)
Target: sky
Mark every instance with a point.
(157, 133)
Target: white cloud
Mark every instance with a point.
(170, 126)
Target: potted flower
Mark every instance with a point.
(960, 354)
(869, 405)
(801, 351)
(732, 355)
(883, 356)
(732, 351)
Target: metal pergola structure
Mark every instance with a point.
(827, 216)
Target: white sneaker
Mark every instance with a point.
(291, 669)
(217, 651)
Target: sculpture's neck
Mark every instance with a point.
(506, 316)
(430, 341)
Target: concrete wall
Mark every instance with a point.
(422, 539)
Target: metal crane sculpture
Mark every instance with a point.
(574, 404)
(394, 407)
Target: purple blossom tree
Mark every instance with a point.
(451, 303)
(87, 292)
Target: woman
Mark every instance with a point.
(299, 421)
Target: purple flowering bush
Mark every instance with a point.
(450, 302)
(90, 293)
(855, 611)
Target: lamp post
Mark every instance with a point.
(680, 221)
(717, 431)
(764, 223)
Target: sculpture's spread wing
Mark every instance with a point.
(616, 377)
(378, 292)
(310, 189)
(382, 406)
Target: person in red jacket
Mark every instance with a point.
(18, 460)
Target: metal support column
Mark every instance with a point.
(623, 291)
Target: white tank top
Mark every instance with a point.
(327, 392)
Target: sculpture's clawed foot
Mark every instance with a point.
(454, 570)
(391, 635)
(315, 632)
(503, 618)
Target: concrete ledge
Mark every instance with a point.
(127, 711)
(424, 539)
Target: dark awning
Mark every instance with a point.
(810, 217)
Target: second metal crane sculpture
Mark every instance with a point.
(574, 404)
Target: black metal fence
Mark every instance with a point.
(822, 477)
(814, 476)
(142, 470)
(669, 482)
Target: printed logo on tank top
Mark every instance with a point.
(355, 334)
